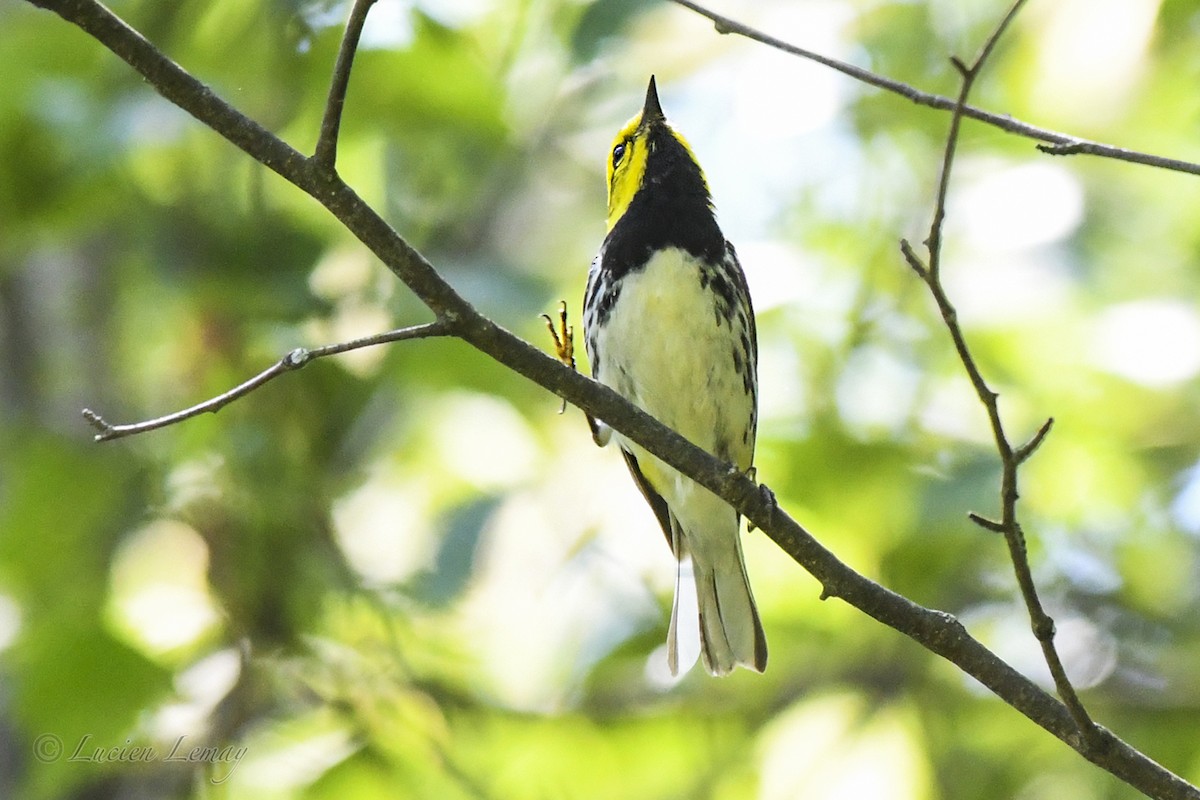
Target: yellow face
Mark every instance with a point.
(627, 163)
(626, 166)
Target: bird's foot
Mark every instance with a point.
(764, 491)
(564, 340)
(563, 335)
(564, 350)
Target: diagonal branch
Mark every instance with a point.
(331, 123)
(297, 359)
(1054, 143)
(938, 632)
(1010, 458)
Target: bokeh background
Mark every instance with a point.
(401, 573)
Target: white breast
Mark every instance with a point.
(664, 348)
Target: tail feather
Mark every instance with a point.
(673, 629)
(683, 578)
(731, 633)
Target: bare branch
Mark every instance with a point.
(985, 52)
(987, 523)
(293, 361)
(1023, 452)
(326, 151)
(914, 261)
(1042, 624)
(1055, 143)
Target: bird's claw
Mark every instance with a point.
(564, 340)
(764, 491)
(564, 349)
(563, 335)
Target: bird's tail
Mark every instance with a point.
(731, 633)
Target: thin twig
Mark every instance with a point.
(294, 360)
(1022, 453)
(987, 523)
(331, 123)
(1010, 458)
(1055, 143)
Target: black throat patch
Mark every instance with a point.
(672, 208)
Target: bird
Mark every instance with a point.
(668, 325)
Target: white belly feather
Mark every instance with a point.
(663, 348)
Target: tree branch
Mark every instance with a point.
(331, 123)
(1055, 143)
(935, 630)
(1026, 450)
(293, 361)
(1010, 458)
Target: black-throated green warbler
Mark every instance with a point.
(668, 324)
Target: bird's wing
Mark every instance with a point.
(657, 504)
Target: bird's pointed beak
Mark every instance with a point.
(652, 111)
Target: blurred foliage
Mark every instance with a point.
(401, 574)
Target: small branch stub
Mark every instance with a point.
(97, 422)
(986, 523)
(1026, 450)
(913, 260)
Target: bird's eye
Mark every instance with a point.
(618, 152)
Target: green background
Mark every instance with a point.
(400, 573)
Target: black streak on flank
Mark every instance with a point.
(723, 289)
(607, 300)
